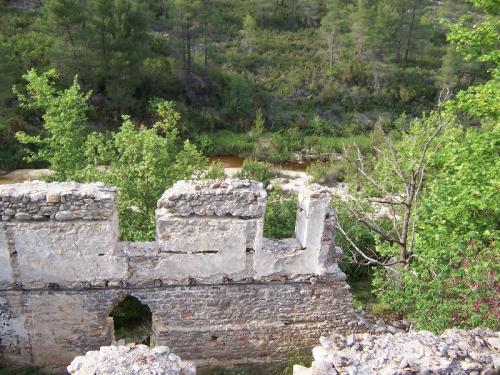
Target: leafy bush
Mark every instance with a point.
(255, 170)
(361, 236)
(454, 278)
(215, 171)
(258, 125)
(279, 220)
(225, 143)
(238, 99)
(64, 121)
(327, 173)
(143, 161)
(276, 147)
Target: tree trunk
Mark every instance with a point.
(398, 51)
(331, 48)
(189, 63)
(205, 36)
(410, 33)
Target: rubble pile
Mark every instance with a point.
(130, 360)
(418, 352)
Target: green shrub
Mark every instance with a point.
(453, 281)
(238, 99)
(327, 173)
(361, 236)
(277, 147)
(143, 161)
(64, 121)
(328, 145)
(258, 125)
(225, 143)
(281, 211)
(215, 171)
(255, 170)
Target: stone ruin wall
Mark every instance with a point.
(219, 293)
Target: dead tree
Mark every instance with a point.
(400, 207)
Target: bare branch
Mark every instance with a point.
(384, 201)
(370, 261)
(442, 98)
(373, 226)
(361, 169)
(395, 162)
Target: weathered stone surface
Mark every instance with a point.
(219, 293)
(198, 247)
(454, 352)
(231, 197)
(217, 324)
(314, 201)
(130, 360)
(6, 274)
(63, 201)
(69, 251)
(313, 250)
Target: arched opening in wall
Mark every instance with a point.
(132, 321)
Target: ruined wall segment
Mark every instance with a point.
(58, 233)
(218, 291)
(313, 250)
(205, 229)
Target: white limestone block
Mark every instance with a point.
(6, 274)
(68, 251)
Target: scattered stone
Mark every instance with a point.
(410, 352)
(130, 360)
(366, 322)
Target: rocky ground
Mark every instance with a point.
(130, 360)
(367, 323)
(454, 352)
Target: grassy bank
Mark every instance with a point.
(278, 146)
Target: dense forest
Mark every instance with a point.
(398, 98)
(307, 69)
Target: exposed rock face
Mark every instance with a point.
(454, 352)
(130, 360)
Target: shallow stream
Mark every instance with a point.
(232, 164)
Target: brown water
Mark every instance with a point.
(237, 162)
(21, 175)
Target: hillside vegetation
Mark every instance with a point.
(313, 72)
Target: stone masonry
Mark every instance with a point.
(219, 293)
